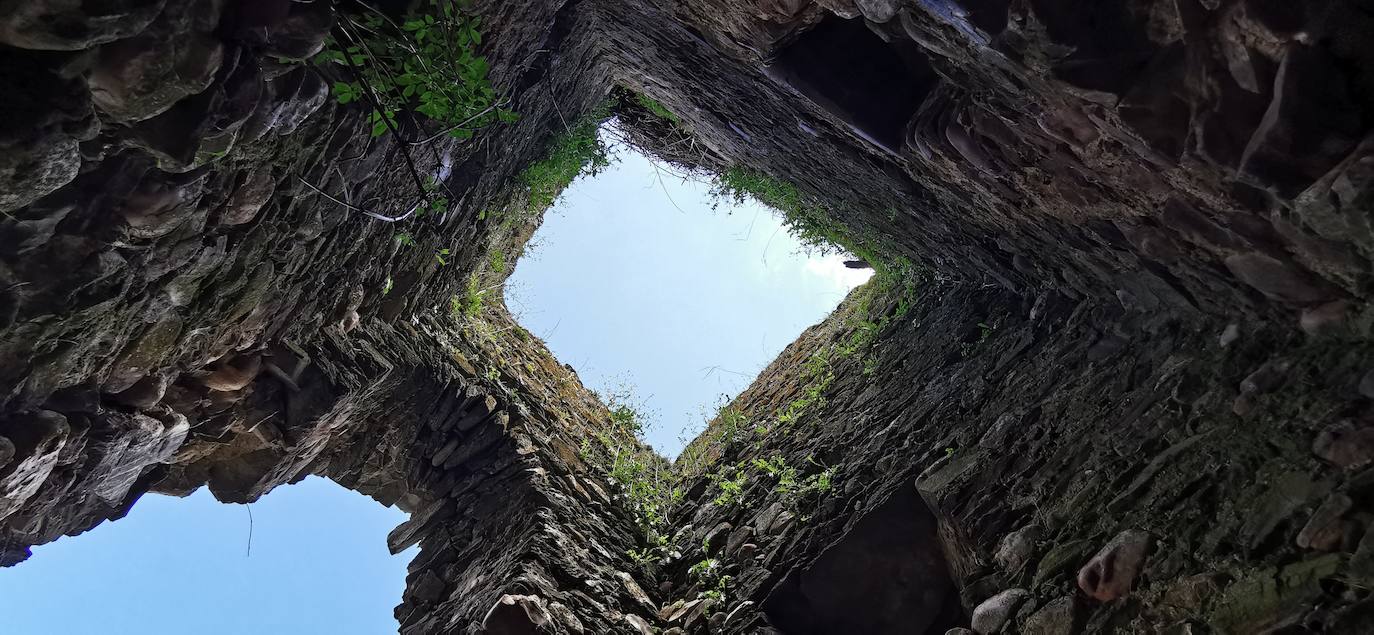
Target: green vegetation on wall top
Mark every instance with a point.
(658, 109)
(576, 152)
(428, 64)
(811, 222)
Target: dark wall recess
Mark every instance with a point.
(887, 575)
(845, 68)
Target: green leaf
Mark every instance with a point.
(343, 91)
(414, 64)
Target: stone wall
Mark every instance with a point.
(1075, 468)
(1133, 386)
(186, 308)
(173, 229)
(1149, 153)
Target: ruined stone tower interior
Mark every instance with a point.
(1113, 372)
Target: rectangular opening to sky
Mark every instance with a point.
(639, 279)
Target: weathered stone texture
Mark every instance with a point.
(1124, 213)
(1116, 480)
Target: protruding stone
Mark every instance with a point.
(996, 436)
(140, 78)
(640, 624)
(427, 588)
(716, 538)
(141, 356)
(31, 172)
(517, 615)
(635, 591)
(146, 392)
(996, 611)
(156, 209)
(474, 445)
(781, 522)
(1277, 279)
(1324, 319)
(735, 612)
(303, 33)
(1016, 548)
(679, 610)
(350, 321)
(139, 441)
(445, 451)
(738, 538)
(1343, 444)
(234, 374)
(1112, 572)
(1266, 378)
(412, 530)
(879, 11)
(38, 439)
(1324, 529)
(249, 197)
(298, 94)
(670, 610)
(477, 413)
(1229, 335)
(1055, 618)
(73, 25)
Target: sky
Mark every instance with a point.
(318, 564)
(634, 280)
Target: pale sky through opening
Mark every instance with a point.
(633, 279)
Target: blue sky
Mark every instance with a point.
(318, 564)
(633, 280)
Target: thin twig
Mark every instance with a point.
(355, 208)
(249, 552)
(456, 125)
(391, 77)
(659, 177)
(386, 121)
(558, 111)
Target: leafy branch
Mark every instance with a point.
(426, 64)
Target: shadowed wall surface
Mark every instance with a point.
(1124, 364)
